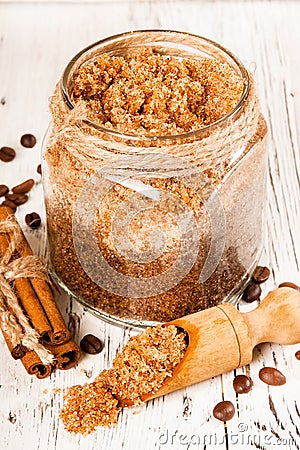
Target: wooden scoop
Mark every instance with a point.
(222, 338)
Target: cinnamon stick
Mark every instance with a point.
(33, 308)
(35, 295)
(60, 332)
(34, 366)
(40, 339)
(66, 355)
(30, 361)
(13, 329)
(16, 349)
(26, 294)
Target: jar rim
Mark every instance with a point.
(155, 138)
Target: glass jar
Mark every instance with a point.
(146, 229)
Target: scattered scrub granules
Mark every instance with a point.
(140, 368)
(146, 93)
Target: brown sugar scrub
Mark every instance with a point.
(146, 93)
(140, 368)
(178, 117)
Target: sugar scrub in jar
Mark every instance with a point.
(154, 173)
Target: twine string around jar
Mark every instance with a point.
(213, 150)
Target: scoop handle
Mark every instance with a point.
(222, 338)
(276, 319)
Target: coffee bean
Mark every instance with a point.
(10, 205)
(39, 169)
(18, 199)
(7, 154)
(33, 220)
(252, 292)
(261, 274)
(224, 411)
(24, 187)
(272, 376)
(3, 190)
(289, 285)
(21, 199)
(28, 140)
(91, 344)
(297, 354)
(242, 384)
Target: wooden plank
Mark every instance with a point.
(273, 419)
(33, 53)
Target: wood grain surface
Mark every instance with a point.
(36, 42)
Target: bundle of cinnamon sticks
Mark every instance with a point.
(31, 323)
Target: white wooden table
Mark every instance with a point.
(36, 41)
